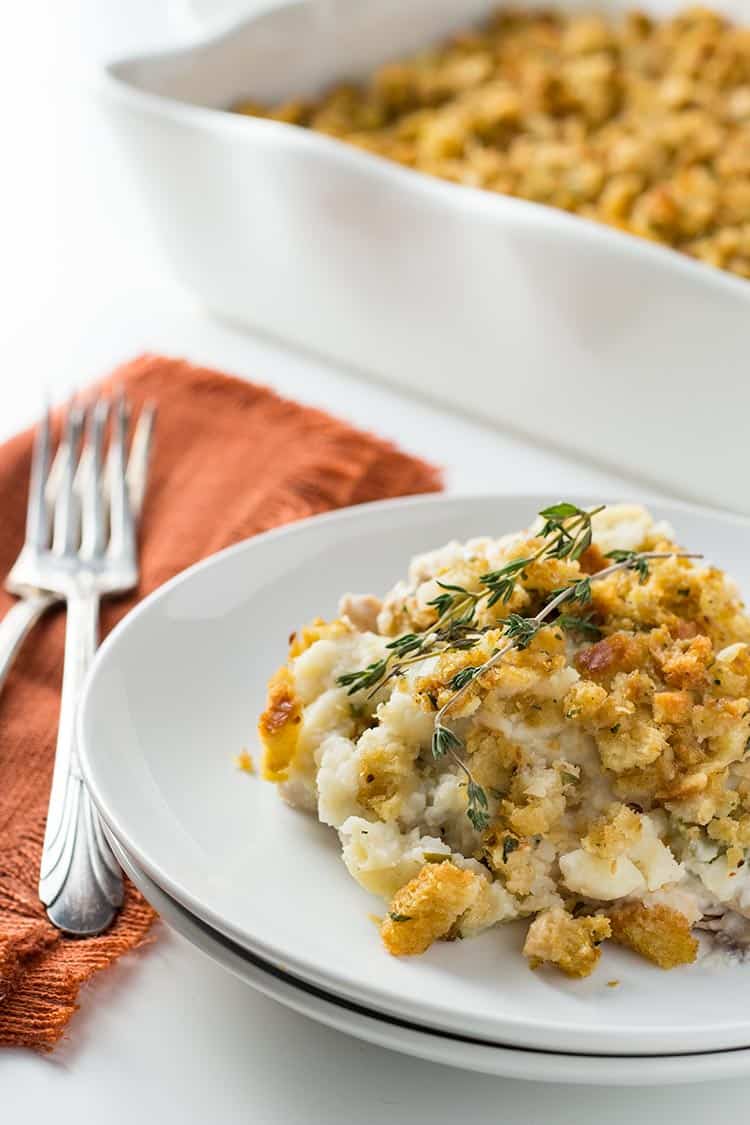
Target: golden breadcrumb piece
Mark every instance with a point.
(532, 816)
(620, 652)
(426, 908)
(685, 787)
(384, 774)
(317, 630)
(725, 724)
(570, 943)
(493, 757)
(612, 834)
(545, 575)
(511, 859)
(535, 818)
(685, 666)
(522, 671)
(278, 726)
(626, 747)
(700, 797)
(658, 933)
(244, 761)
(584, 701)
(672, 706)
(593, 560)
(735, 832)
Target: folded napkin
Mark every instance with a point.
(230, 459)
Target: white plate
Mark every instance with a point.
(506, 1062)
(175, 693)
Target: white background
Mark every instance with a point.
(166, 1035)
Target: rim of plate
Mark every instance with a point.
(432, 1012)
(526, 1063)
(392, 1033)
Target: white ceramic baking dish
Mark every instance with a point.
(558, 327)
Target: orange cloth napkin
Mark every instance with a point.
(230, 459)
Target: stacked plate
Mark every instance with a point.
(174, 696)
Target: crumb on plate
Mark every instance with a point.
(244, 761)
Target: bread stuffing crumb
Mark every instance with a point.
(659, 933)
(244, 761)
(427, 907)
(572, 944)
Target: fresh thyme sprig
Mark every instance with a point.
(410, 649)
(445, 741)
(477, 809)
(567, 534)
(569, 528)
(366, 677)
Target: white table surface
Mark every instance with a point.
(167, 1035)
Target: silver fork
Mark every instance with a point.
(33, 603)
(80, 548)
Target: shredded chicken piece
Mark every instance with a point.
(362, 610)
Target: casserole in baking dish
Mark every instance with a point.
(567, 330)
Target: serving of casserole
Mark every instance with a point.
(550, 725)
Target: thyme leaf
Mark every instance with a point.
(632, 560)
(358, 681)
(561, 511)
(477, 809)
(568, 528)
(582, 591)
(405, 644)
(501, 582)
(521, 630)
(583, 625)
(443, 741)
(465, 676)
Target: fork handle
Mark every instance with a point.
(17, 624)
(80, 881)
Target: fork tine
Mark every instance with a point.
(140, 454)
(93, 514)
(53, 479)
(37, 512)
(66, 529)
(121, 536)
